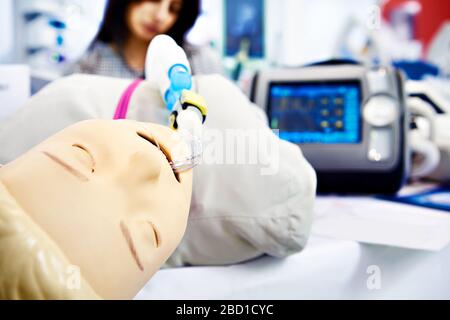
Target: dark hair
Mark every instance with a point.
(114, 28)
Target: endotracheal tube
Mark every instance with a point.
(167, 65)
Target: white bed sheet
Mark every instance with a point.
(327, 269)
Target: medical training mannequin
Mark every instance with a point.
(100, 196)
(237, 212)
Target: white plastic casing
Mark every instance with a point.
(162, 54)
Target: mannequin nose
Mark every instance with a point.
(144, 166)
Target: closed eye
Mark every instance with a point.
(156, 234)
(81, 147)
(161, 148)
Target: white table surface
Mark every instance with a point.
(328, 268)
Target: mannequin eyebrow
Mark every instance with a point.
(127, 235)
(66, 166)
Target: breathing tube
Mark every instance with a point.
(167, 65)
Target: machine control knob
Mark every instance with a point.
(381, 111)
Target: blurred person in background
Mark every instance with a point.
(120, 47)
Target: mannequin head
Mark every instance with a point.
(106, 194)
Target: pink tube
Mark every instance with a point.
(122, 106)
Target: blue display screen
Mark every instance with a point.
(328, 113)
(245, 21)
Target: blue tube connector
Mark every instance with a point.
(180, 79)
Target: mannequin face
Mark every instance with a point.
(108, 197)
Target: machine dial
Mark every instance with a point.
(381, 111)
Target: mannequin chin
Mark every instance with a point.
(105, 195)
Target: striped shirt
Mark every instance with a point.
(102, 60)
